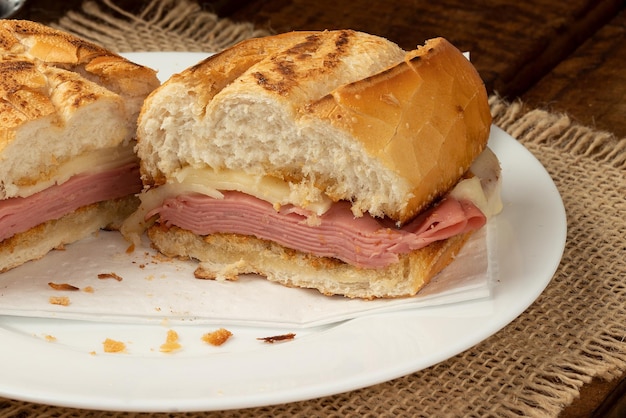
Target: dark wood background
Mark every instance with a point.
(562, 56)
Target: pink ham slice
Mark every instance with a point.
(22, 213)
(365, 241)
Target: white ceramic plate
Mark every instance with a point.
(61, 362)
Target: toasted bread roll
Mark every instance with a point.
(317, 159)
(68, 108)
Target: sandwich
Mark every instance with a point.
(68, 111)
(330, 160)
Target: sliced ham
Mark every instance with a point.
(22, 213)
(364, 241)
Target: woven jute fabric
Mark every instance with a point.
(535, 366)
(163, 25)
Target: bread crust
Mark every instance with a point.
(426, 119)
(60, 49)
(224, 256)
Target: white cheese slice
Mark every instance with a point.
(271, 189)
(483, 190)
(92, 162)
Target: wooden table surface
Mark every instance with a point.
(563, 56)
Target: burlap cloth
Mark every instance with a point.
(536, 365)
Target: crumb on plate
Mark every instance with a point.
(171, 342)
(217, 337)
(277, 338)
(109, 276)
(63, 286)
(59, 300)
(113, 346)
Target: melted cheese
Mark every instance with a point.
(271, 189)
(90, 162)
(472, 190)
(483, 190)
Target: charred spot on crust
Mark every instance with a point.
(5, 44)
(318, 53)
(285, 68)
(342, 40)
(89, 47)
(260, 78)
(13, 66)
(304, 49)
(313, 38)
(331, 60)
(84, 98)
(280, 87)
(22, 29)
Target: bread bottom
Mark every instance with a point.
(227, 255)
(38, 241)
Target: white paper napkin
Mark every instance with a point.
(153, 288)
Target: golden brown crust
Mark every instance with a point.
(246, 254)
(42, 43)
(426, 118)
(219, 70)
(24, 98)
(31, 92)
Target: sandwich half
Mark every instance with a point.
(68, 111)
(330, 160)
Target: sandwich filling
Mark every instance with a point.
(93, 178)
(324, 230)
(363, 242)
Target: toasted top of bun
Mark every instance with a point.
(61, 97)
(346, 113)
